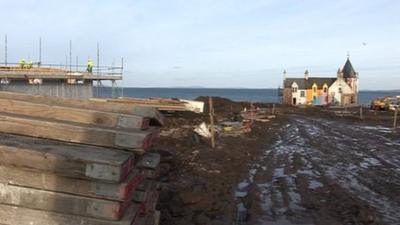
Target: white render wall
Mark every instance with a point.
(334, 90)
(299, 100)
(302, 100)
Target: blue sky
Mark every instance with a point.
(213, 43)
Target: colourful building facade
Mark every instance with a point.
(339, 90)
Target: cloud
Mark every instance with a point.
(210, 39)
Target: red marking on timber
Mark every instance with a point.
(127, 167)
(147, 142)
(118, 213)
(127, 190)
(142, 209)
(149, 205)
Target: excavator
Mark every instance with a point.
(386, 103)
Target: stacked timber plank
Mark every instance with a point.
(162, 104)
(68, 162)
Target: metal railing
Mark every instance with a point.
(36, 67)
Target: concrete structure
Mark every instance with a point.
(53, 81)
(342, 90)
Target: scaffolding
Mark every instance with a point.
(56, 79)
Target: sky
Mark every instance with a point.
(212, 43)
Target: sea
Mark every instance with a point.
(235, 94)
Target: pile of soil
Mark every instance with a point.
(198, 181)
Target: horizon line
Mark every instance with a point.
(248, 88)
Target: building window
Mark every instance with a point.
(294, 89)
(302, 94)
(340, 90)
(314, 89)
(325, 89)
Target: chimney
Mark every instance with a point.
(306, 74)
(339, 73)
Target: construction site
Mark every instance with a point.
(68, 157)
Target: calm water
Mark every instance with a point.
(255, 95)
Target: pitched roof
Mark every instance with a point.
(320, 81)
(308, 83)
(348, 70)
(301, 83)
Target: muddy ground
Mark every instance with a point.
(306, 166)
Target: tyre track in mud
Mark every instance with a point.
(321, 171)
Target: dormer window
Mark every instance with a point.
(340, 90)
(314, 89)
(295, 87)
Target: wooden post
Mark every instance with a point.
(251, 112)
(211, 109)
(395, 120)
(361, 113)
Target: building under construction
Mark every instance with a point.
(56, 80)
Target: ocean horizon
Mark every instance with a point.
(265, 95)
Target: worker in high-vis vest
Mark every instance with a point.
(22, 63)
(29, 65)
(90, 66)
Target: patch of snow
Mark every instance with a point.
(240, 194)
(279, 172)
(313, 184)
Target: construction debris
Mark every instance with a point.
(203, 130)
(67, 161)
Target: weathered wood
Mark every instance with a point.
(88, 188)
(62, 203)
(12, 215)
(149, 164)
(149, 160)
(98, 118)
(142, 190)
(77, 134)
(72, 160)
(147, 112)
(148, 196)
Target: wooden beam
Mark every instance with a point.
(148, 112)
(62, 203)
(88, 188)
(98, 118)
(12, 215)
(78, 161)
(149, 160)
(70, 132)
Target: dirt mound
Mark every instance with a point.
(224, 107)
